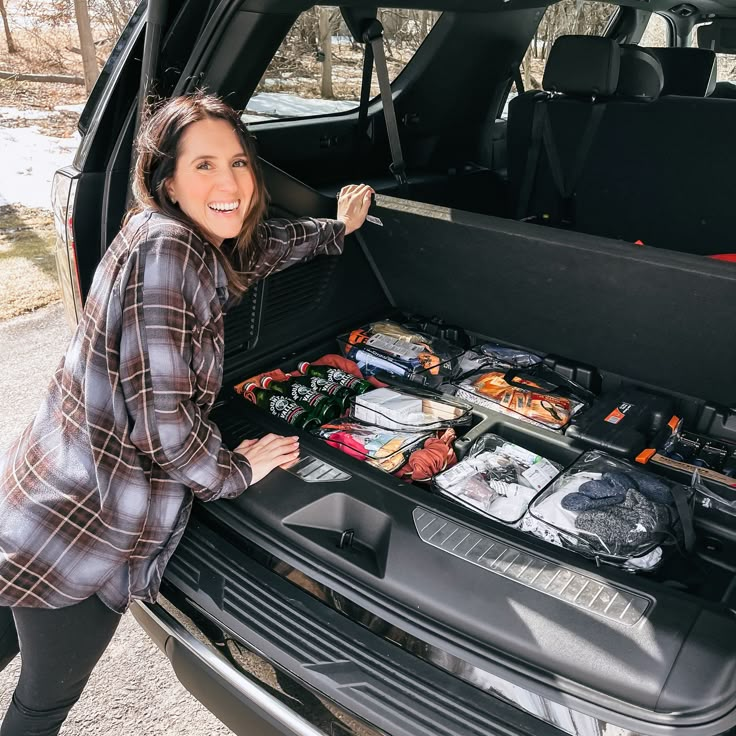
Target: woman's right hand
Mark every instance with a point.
(269, 452)
(353, 204)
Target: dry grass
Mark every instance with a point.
(42, 52)
(28, 278)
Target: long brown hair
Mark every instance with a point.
(157, 147)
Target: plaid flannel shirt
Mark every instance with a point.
(95, 494)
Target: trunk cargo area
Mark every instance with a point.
(652, 652)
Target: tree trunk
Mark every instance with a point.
(325, 43)
(118, 23)
(527, 71)
(12, 48)
(54, 78)
(87, 44)
(424, 23)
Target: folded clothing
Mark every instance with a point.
(492, 356)
(637, 520)
(604, 507)
(613, 488)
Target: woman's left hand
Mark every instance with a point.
(352, 205)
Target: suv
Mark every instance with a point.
(337, 599)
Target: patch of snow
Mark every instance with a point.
(70, 108)
(29, 162)
(278, 105)
(13, 113)
(246, 118)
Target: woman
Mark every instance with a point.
(95, 495)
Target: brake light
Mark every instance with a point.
(63, 194)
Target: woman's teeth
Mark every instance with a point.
(224, 206)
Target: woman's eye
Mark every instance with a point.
(240, 162)
(204, 165)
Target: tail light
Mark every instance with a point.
(63, 193)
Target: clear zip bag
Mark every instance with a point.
(386, 449)
(611, 511)
(390, 347)
(497, 478)
(537, 395)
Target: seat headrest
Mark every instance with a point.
(640, 75)
(583, 66)
(687, 71)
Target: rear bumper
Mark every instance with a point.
(318, 672)
(237, 701)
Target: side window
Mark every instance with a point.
(657, 33)
(726, 62)
(581, 17)
(318, 68)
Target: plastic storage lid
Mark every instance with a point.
(409, 409)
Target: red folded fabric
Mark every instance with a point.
(334, 361)
(436, 455)
(277, 375)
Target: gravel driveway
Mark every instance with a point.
(133, 691)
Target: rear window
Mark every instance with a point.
(726, 62)
(318, 68)
(657, 33)
(581, 17)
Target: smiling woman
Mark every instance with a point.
(96, 493)
(213, 183)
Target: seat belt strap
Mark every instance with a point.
(539, 115)
(365, 95)
(566, 187)
(591, 129)
(686, 516)
(374, 36)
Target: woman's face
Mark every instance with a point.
(212, 183)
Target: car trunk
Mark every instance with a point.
(653, 653)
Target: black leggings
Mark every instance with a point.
(59, 649)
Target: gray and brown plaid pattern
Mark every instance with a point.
(95, 494)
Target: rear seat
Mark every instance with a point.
(657, 170)
(688, 72)
(573, 90)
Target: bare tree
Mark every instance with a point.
(111, 15)
(527, 67)
(572, 16)
(325, 46)
(12, 48)
(87, 44)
